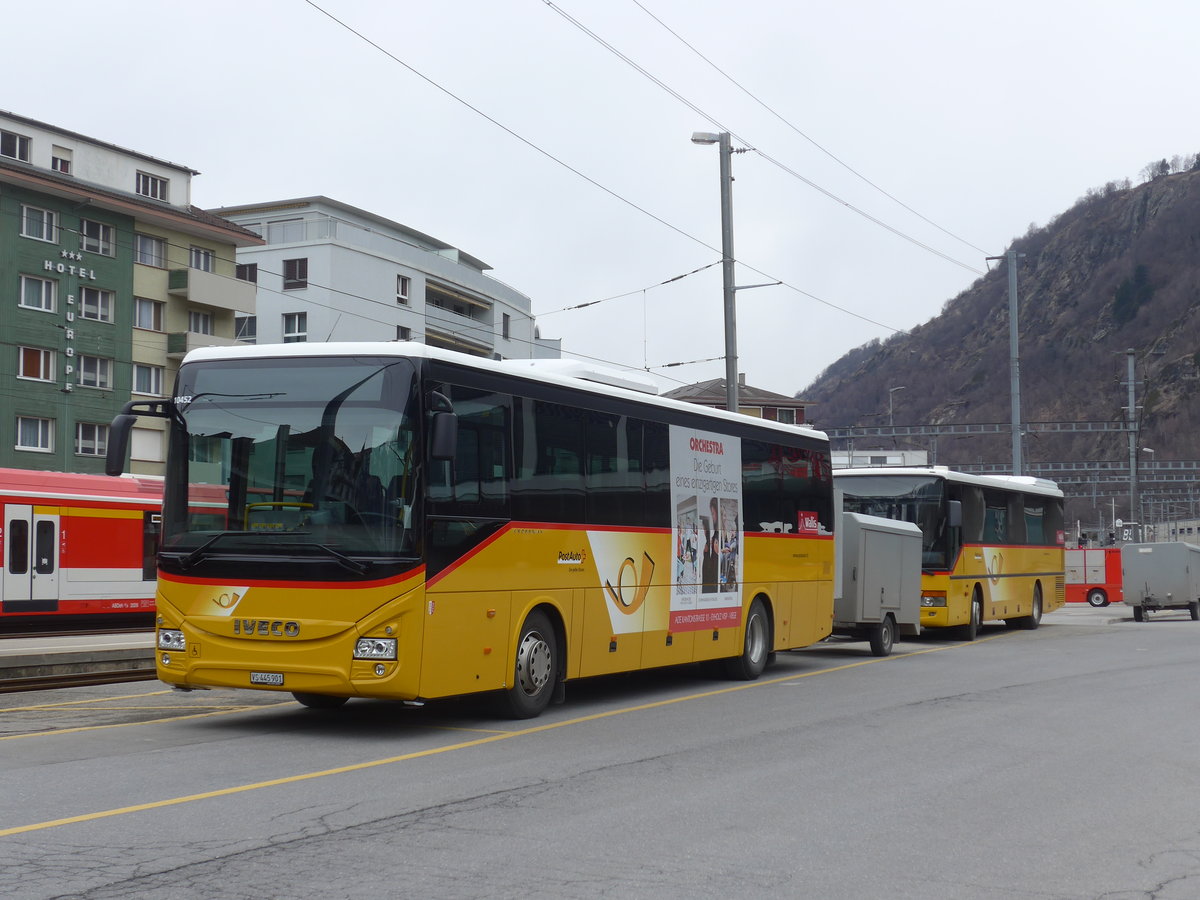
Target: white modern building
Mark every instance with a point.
(332, 272)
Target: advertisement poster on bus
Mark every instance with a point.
(706, 533)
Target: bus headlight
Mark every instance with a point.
(933, 599)
(375, 648)
(170, 639)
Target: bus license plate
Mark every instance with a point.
(272, 678)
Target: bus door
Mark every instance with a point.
(30, 560)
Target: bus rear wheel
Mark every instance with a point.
(535, 670)
(319, 701)
(1034, 619)
(755, 648)
(1139, 614)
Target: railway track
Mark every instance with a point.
(48, 682)
(41, 659)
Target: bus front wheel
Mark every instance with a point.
(535, 670)
(755, 648)
(971, 629)
(1097, 598)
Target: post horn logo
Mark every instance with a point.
(639, 584)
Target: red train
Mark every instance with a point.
(78, 545)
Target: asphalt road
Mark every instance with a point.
(1058, 763)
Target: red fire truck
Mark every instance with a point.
(1094, 575)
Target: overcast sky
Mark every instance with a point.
(977, 119)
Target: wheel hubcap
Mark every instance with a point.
(756, 638)
(533, 663)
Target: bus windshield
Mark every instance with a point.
(311, 458)
(919, 499)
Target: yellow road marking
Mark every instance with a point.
(79, 702)
(53, 732)
(464, 745)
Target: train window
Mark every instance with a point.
(18, 546)
(47, 539)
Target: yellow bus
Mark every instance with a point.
(410, 523)
(991, 545)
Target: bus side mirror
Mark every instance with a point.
(118, 443)
(955, 513)
(443, 436)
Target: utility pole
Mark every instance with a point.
(1131, 420)
(1014, 359)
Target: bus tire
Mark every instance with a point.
(535, 670)
(1139, 614)
(1097, 598)
(756, 646)
(319, 701)
(882, 637)
(1034, 619)
(1194, 609)
(971, 629)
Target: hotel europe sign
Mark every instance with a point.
(81, 272)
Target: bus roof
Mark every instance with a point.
(1026, 483)
(565, 373)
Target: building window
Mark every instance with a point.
(247, 272)
(14, 146)
(200, 258)
(403, 283)
(35, 364)
(295, 328)
(505, 326)
(60, 159)
(151, 186)
(38, 293)
(287, 231)
(40, 224)
(96, 304)
(245, 328)
(295, 274)
(96, 237)
(96, 372)
(403, 333)
(147, 314)
(35, 434)
(146, 445)
(149, 251)
(787, 416)
(91, 440)
(147, 379)
(200, 322)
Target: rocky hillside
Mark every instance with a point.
(1119, 270)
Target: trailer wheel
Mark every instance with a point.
(318, 701)
(535, 671)
(882, 637)
(1194, 609)
(1097, 597)
(1139, 614)
(756, 647)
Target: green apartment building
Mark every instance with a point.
(108, 276)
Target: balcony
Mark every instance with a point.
(208, 289)
(180, 342)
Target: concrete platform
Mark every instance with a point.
(27, 662)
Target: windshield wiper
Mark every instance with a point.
(186, 562)
(352, 564)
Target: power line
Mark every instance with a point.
(806, 137)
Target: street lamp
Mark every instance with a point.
(731, 362)
(891, 412)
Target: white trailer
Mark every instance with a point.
(1161, 576)
(878, 581)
